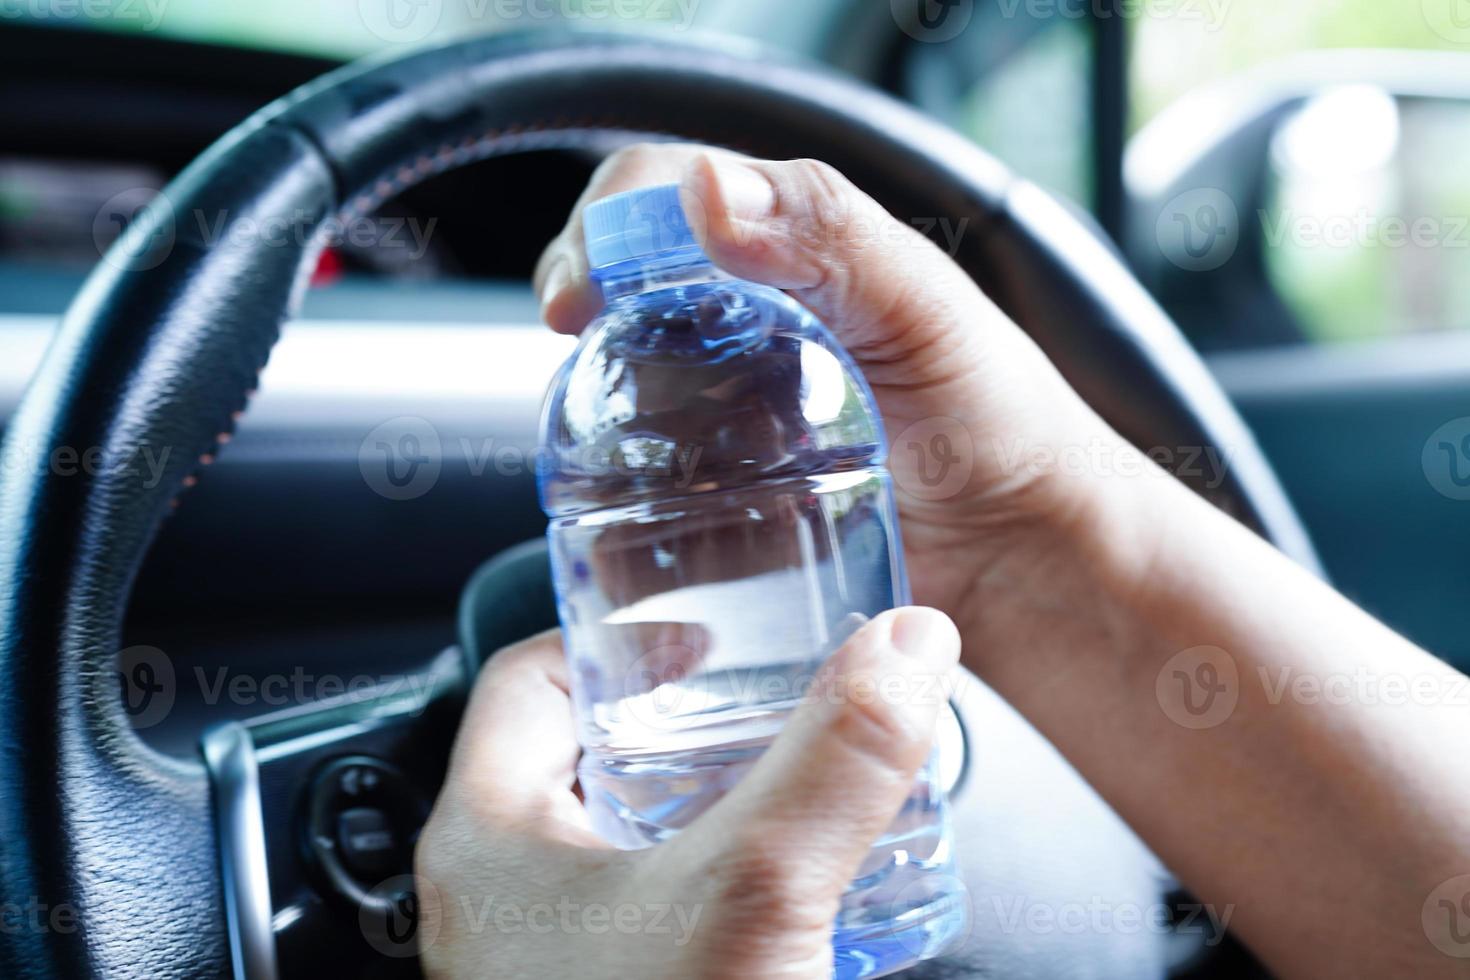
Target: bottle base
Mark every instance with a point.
(920, 934)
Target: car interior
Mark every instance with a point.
(271, 370)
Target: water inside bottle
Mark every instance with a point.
(721, 521)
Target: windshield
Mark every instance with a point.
(349, 28)
(1104, 70)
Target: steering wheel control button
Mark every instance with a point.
(357, 780)
(367, 841)
(362, 817)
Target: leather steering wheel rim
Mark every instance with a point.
(164, 343)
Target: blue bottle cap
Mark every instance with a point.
(637, 226)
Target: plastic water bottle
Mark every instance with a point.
(721, 520)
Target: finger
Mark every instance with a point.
(515, 758)
(835, 778)
(569, 298)
(896, 301)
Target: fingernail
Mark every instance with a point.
(924, 634)
(745, 192)
(556, 281)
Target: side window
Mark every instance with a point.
(1017, 83)
(1298, 171)
(1367, 217)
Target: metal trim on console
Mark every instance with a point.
(229, 754)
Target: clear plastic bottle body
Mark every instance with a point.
(721, 520)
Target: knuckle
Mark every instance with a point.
(508, 671)
(828, 196)
(634, 156)
(866, 720)
(821, 177)
(530, 658)
(636, 162)
(518, 655)
(835, 224)
(757, 883)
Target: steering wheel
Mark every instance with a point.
(162, 863)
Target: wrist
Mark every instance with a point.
(1062, 574)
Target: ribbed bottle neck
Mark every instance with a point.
(635, 278)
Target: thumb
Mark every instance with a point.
(835, 778)
(890, 293)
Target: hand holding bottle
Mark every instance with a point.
(514, 883)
